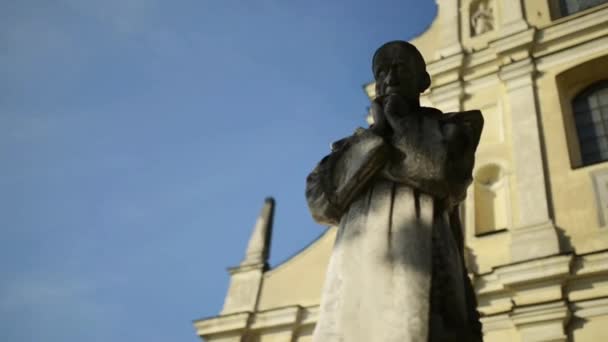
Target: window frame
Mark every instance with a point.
(589, 90)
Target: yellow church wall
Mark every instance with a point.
(590, 330)
(538, 13)
(427, 42)
(281, 334)
(505, 335)
(494, 151)
(300, 279)
(304, 334)
(572, 192)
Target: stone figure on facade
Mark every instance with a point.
(397, 272)
(482, 19)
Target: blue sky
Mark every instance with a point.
(139, 138)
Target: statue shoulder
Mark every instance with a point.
(358, 134)
(469, 116)
(471, 120)
(431, 112)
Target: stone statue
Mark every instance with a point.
(397, 269)
(482, 20)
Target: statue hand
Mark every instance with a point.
(395, 108)
(380, 126)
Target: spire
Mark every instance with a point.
(258, 249)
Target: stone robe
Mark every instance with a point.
(397, 271)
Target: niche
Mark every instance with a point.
(491, 200)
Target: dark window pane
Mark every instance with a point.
(572, 6)
(591, 118)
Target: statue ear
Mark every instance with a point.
(425, 82)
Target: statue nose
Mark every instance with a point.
(391, 77)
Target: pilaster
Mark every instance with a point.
(450, 28)
(533, 234)
(512, 17)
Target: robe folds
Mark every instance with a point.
(397, 273)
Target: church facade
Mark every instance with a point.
(536, 216)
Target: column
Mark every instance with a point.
(533, 234)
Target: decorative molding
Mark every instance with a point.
(544, 322)
(570, 54)
(222, 324)
(473, 85)
(276, 317)
(445, 65)
(591, 308)
(497, 322)
(448, 97)
(539, 313)
(518, 74)
(520, 41)
(245, 268)
(574, 26)
(534, 241)
(591, 264)
(310, 315)
(535, 270)
(477, 58)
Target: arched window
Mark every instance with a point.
(590, 108)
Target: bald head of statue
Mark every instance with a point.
(399, 69)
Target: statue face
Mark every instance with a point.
(397, 72)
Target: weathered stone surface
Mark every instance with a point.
(397, 270)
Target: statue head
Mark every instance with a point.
(399, 69)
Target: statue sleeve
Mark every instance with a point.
(462, 132)
(341, 175)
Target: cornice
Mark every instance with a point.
(448, 64)
(237, 323)
(450, 91)
(572, 53)
(522, 40)
(277, 317)
(310, 315)
(247, 267)
(220, 324)
(497, 322)
(539, 313)
(517, 74)
(478, 83)
(591, 308)
(535, 270)
(573, 26)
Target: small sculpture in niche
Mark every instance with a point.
(482, 18)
